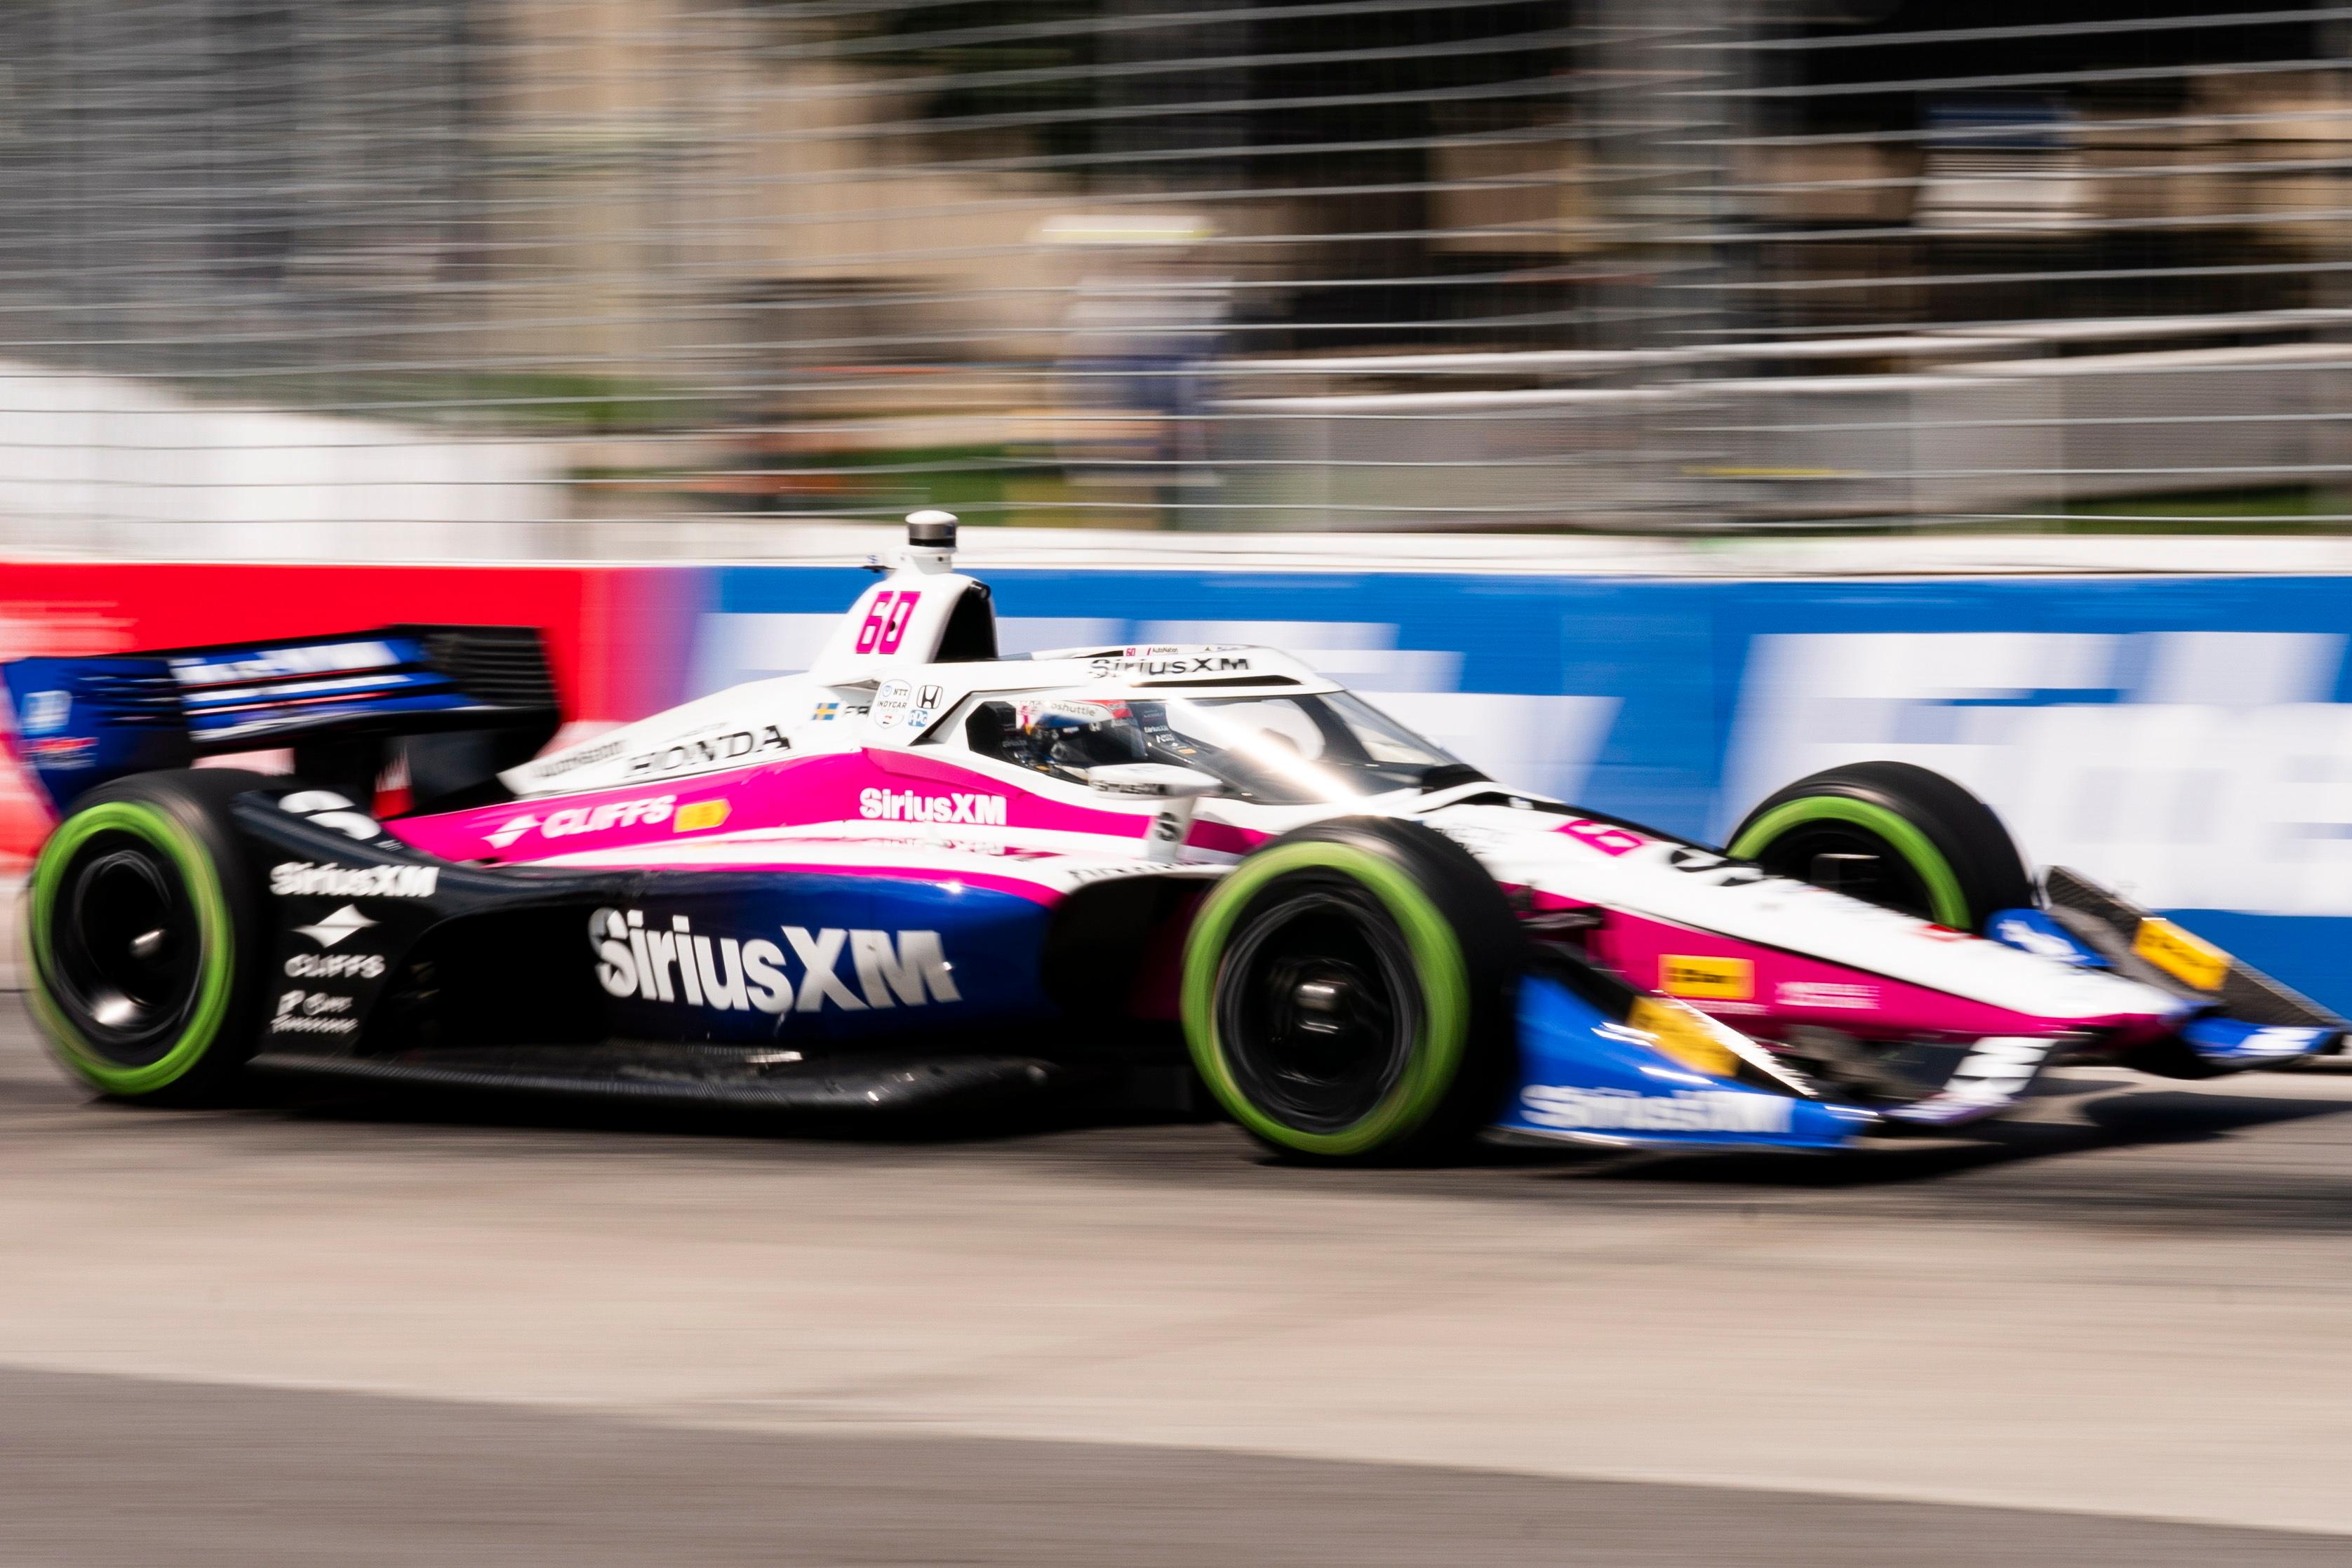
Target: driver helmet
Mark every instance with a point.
(1073, 735)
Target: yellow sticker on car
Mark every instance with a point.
(1683, 1035)
(2182, 955)
(700, 815)
(1708, 979)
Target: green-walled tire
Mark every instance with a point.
(1349, 992)
(140, 936)
(1896, 835)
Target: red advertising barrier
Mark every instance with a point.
(613, 632)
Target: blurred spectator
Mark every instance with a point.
(1140, 342)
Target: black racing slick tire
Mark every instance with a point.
(1904, 837)
(1349, 992)
(142, 928)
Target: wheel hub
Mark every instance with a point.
(126, 946)
(1320, 1020)
(1321, 1002)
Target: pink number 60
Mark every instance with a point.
(875, 618)
(895, 632)
(885, 626)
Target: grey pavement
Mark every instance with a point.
(2115, 1332)
(134, 1471)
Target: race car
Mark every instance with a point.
(922, 878)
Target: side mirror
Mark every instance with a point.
(1160, 780)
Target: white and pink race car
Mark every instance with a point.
(923, 877)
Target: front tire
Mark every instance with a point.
(1908, 839)
(1348, 990)
(140, 930)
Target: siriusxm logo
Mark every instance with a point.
(635, 958)
(294, 878)
(913, 806)
(1684, 1110)
(1160, 666)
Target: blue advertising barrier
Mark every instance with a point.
(2187, 739)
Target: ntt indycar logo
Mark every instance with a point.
(912, 805)
(1623, 1111)
(645, 960)
(303, 879)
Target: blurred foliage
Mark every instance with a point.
(1335, 108)
(1387, 76)
(2287, 509)
(1980, 51)
(549, 401)
(1055, 39)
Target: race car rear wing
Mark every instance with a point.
(456, 703)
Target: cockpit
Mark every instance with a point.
(1289, 749)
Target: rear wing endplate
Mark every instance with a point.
(345, 705)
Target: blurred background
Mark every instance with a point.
(1652, 400)
(1167, 300)
(603, 277)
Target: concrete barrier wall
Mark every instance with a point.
(130, 467)
(2004, 435)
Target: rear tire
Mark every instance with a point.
(142, 935)
(1934, 849)
(1349, 992)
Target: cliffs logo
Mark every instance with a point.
(678, 963)
(913, 806)
(573, 819)
(335, 967)
(344, 922)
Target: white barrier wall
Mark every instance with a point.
(103, 464)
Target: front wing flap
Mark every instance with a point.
(1600, 1063)
(2248, 1018)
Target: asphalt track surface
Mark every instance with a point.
(364, 1331)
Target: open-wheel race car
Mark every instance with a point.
(921, 877)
